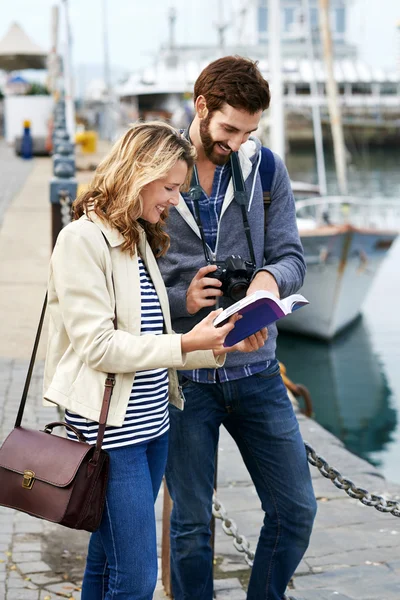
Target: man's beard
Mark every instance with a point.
(209, 143)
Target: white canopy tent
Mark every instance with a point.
(18, 52)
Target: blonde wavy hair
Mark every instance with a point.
(144, 154)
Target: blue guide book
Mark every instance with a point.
(258, 310)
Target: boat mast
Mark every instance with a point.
(172, 23)
(277, 116)
(221, 25)
(332, 94)
(316, 114)
(68, 87)
(107, 79)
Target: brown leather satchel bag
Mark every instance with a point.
(52, 477)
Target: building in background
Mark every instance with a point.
(294, 31)
(369, 97)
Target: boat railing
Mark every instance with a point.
(374, 213)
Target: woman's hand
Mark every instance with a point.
(204, 336)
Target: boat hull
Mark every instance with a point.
(342, 263)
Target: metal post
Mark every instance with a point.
(67, 72)
(53, 71)
(212, 524)
(277, 114)
(63, 186)
(165, 542)
(316, 115)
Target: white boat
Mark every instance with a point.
(345, 239)
(342, 259)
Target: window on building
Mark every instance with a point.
(288, 18)
(361, 88)
(387, 88)
(262, 17)
(340, 18)
(314, 19)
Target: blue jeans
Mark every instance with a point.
(122, 556)
(258, 414)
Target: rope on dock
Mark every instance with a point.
(299, 391)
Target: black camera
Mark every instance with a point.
(235, 274)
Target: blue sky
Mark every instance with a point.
(136, 29)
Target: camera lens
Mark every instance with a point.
(238, 290)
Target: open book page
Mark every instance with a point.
(257, 310)
(293, 302)
(285, 306)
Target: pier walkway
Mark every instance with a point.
(355, 550)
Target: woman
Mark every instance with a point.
(104, 263)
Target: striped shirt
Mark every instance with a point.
(147, 413)
(210, 210)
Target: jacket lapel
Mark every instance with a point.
(185, 213)
(246, 165)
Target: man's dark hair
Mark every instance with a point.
(236, 81)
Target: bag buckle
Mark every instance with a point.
(28, 479)
(110, 382)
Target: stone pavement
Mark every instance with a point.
(354, 551)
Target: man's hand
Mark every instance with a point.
(264, 281)
(200, 294)
(250, 344)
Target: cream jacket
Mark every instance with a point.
(83, 345)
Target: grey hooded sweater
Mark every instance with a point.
(279, 251)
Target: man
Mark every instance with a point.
(247, 396)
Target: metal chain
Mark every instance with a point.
(378, 502)
(230, 528)
(65, 207)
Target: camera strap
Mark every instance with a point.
(239, 194)
(195, 192)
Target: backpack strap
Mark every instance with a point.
(267, 171)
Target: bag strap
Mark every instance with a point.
(31, 364)
(267, 171)
(108, 385)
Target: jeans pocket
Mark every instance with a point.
(272, 370)
(183, 381)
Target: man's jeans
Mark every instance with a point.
(258, 414)
(122, 556)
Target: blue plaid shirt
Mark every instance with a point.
(210, 210)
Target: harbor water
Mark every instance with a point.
(355, 379)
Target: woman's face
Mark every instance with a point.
(159, 194)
